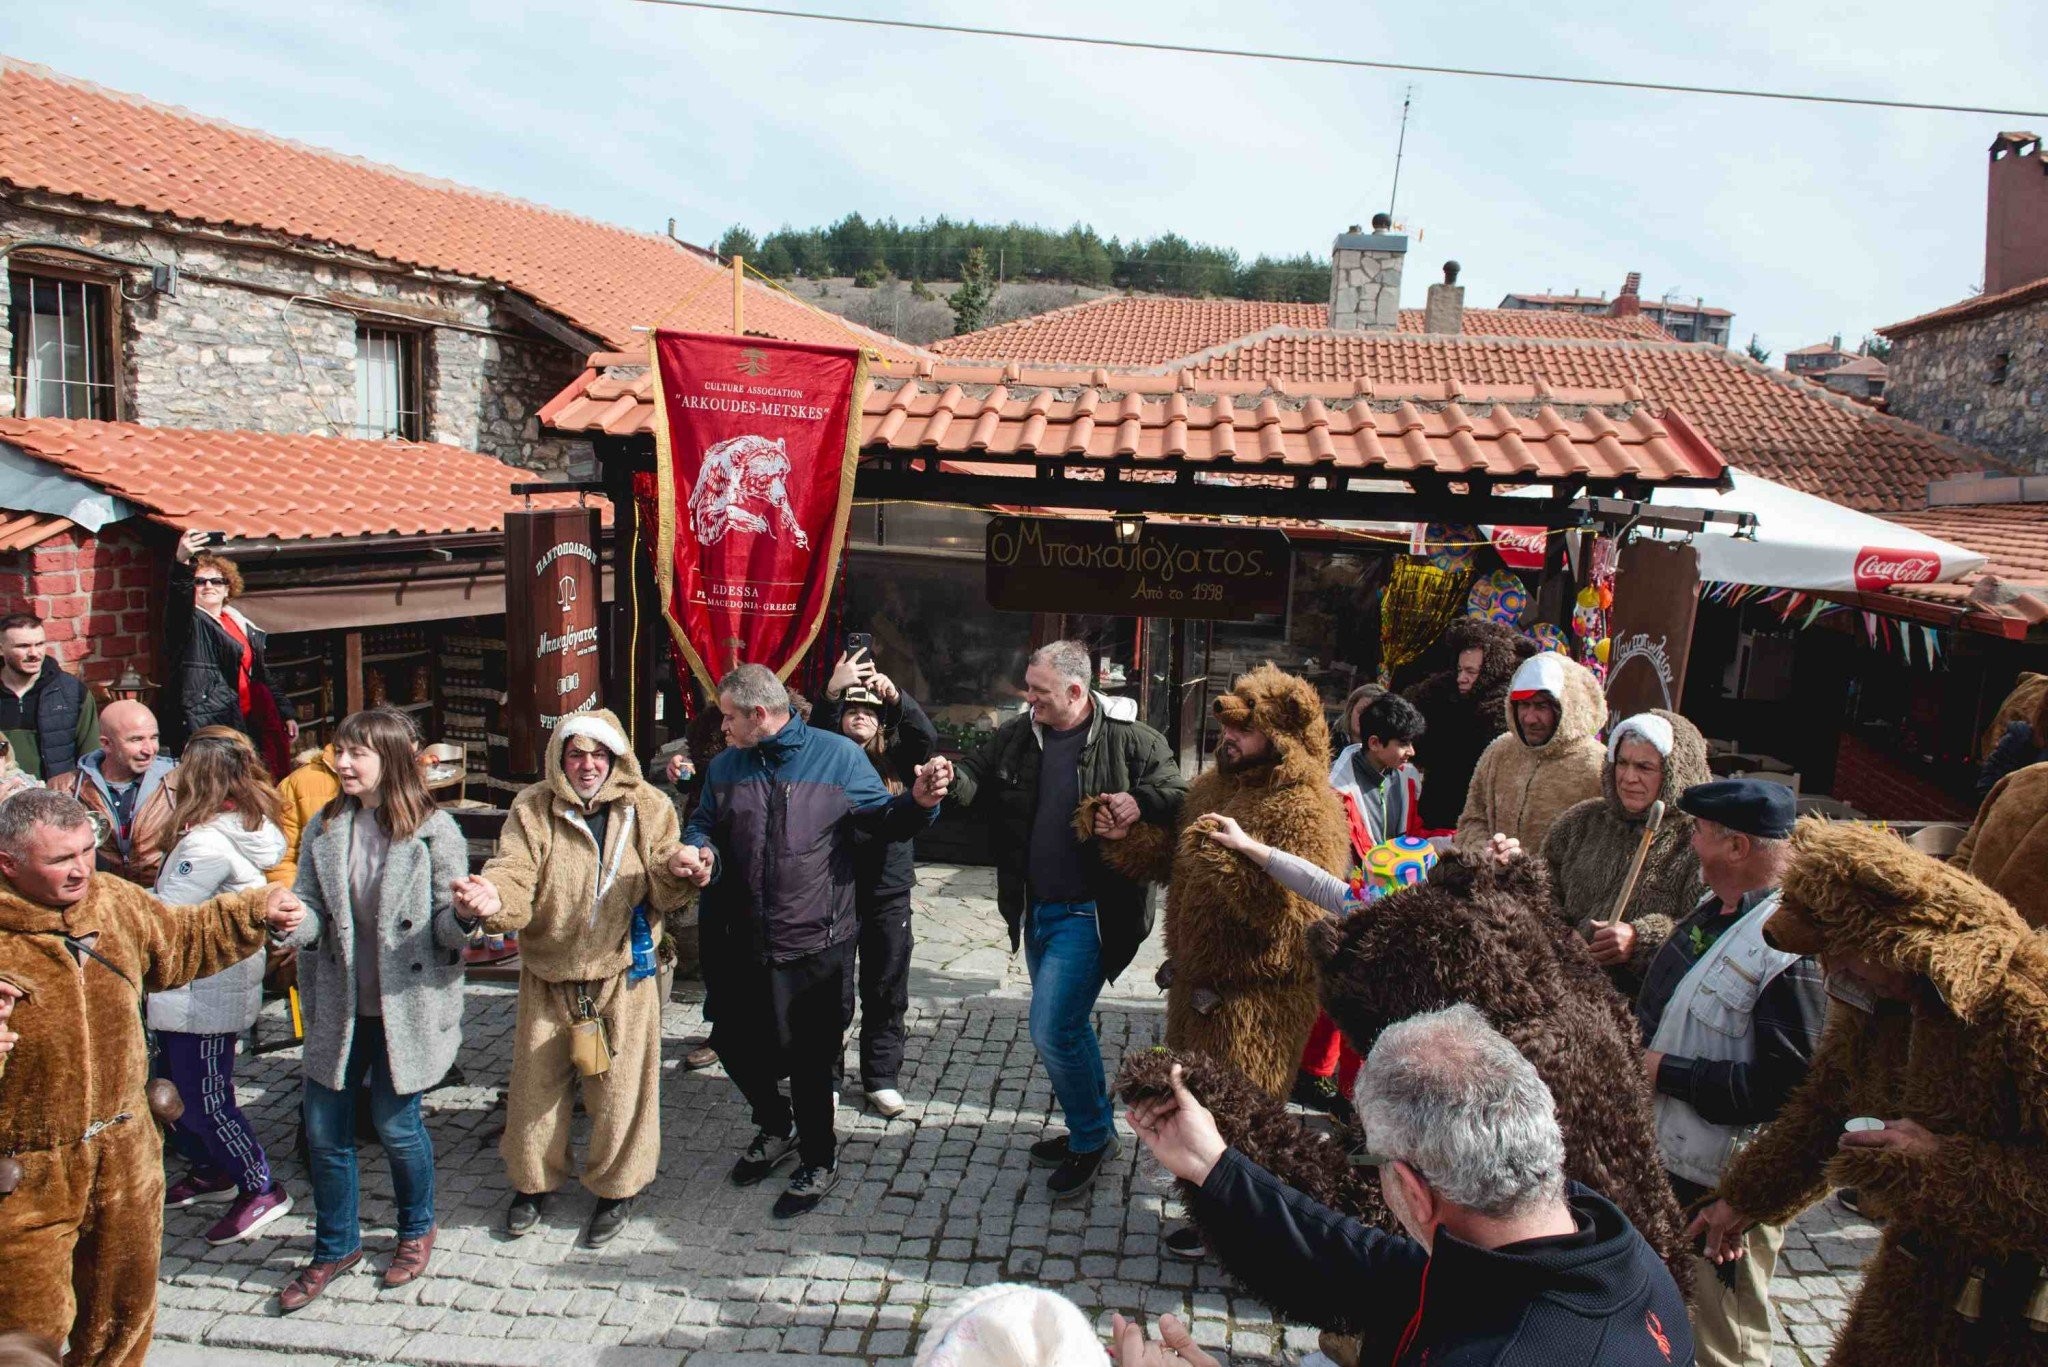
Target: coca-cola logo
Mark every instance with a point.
(1878, 570)
(1522, 547)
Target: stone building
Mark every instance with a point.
(1978, 370)
(1697, 321)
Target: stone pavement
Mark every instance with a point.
(937, 1200)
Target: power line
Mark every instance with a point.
(1305, 59)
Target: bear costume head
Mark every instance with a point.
(1287, 710)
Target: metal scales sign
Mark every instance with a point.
(1224, 574)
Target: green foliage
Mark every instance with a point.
(866, 278)
(738, 242)
(1877, 348)
(920, 290)
(938, 249)
(1757, 351)
(972, 299)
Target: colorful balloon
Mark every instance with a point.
(1551, 636)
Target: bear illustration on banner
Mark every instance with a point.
(737, 472)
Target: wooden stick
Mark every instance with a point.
(1651, 825)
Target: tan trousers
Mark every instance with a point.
(79, 1240)
(624, 1104)
(1731, 1325)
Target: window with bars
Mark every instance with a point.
(388, 384)
(63, 356)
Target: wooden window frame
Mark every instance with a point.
(412, 371)
(35, 266)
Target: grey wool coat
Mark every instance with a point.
(419, 950)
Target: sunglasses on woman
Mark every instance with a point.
(207, 580)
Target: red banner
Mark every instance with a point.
(755, 442)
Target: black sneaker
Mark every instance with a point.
(763, 1156)
(806, 1189)
(607, 1220)
(1073, 1177)
(1315, 1093)
(524, 1213)
(1050, 1153)
(1187, 1242)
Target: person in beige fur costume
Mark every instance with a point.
(592, 830)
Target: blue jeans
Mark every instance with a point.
(1063, 952)
(331, 1145)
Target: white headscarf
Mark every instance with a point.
(1652, 730)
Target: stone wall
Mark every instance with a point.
(242, 345)
(1365, 281)
(1943, 379)
(97, 596)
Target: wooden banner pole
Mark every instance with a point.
(739, 284)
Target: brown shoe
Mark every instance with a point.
(703, 1056)
(409, 1261)
(312, 1280)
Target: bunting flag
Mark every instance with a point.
(755, 444)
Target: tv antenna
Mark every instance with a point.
(1400, 146)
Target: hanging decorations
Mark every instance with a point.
(1550, 636)
(1498, 597)
(1419, 601)
(1916, 644)
(1594, 606)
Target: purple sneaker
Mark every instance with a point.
(250, 1214)
(196, 1187)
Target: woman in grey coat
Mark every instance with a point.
(380, 972)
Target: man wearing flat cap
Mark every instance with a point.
(1731, 1024)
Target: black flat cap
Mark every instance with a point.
(1750, 805)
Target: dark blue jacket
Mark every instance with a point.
(782, 816)
(885, 870)
(1598, 1296)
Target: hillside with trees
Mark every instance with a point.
(982, 269)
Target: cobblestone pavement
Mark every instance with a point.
(939, 1199)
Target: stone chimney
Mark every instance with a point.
(2016, 214)
(1630, 301)
(1445, 310)
(1365, 278)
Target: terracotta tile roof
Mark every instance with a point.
(1153, 330)
(281, 486)
(1758, 418)
(989, 413)
(1981, 306)
(19, 530)
(2013, 535)
(68, 137)
(1559, 300)
(1855, 365)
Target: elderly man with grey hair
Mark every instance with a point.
(1504, 1260)
(771, 843)
(1080, 921)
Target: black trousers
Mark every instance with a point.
(787, 1020)
(885, 944)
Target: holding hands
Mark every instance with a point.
(691, 863)
(1115, 815)
(934, 779)
(282, 910)
(475, 899)
(9, 995)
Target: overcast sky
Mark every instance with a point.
(1805, 220)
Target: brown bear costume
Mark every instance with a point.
(1967, 1058)
(1485, 935)
(80, 1234)
(1243, 986)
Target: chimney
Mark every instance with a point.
(2016, 213)
(1630, 301)
(1445, 310)
(1365, 278)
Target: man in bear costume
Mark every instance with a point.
(1482, 934)
(1939, 1031)
(1243, 981)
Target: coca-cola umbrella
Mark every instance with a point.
(1800, 541)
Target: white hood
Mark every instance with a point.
(262, 847)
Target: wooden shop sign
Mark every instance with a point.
(1050, 564)
(1656, 596)
(552, 588)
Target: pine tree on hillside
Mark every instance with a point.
(970, 302)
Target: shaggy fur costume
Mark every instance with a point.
(1968, 1059)
(1519, 789)
(1462, 725)
(1486, 936)
(1591, 846)
(1230, 930)
(2007, 845)
(80, 1236)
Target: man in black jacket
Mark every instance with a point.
(1506, 1261)
(49, 716)
(1085, 922)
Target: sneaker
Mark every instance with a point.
(607, 1220)
(887, 1101)
(1072, 1178)
(1187, 1242)
(409, 1262)
(250, 1214)
(1050, 1153)
(806, 1189)
(197, 1187)
(525, 1212)
(312, 1280)
(1314, 1093)
(763, 1156)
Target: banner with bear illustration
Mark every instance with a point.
(755, 444)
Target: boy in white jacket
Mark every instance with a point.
(226, 813)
